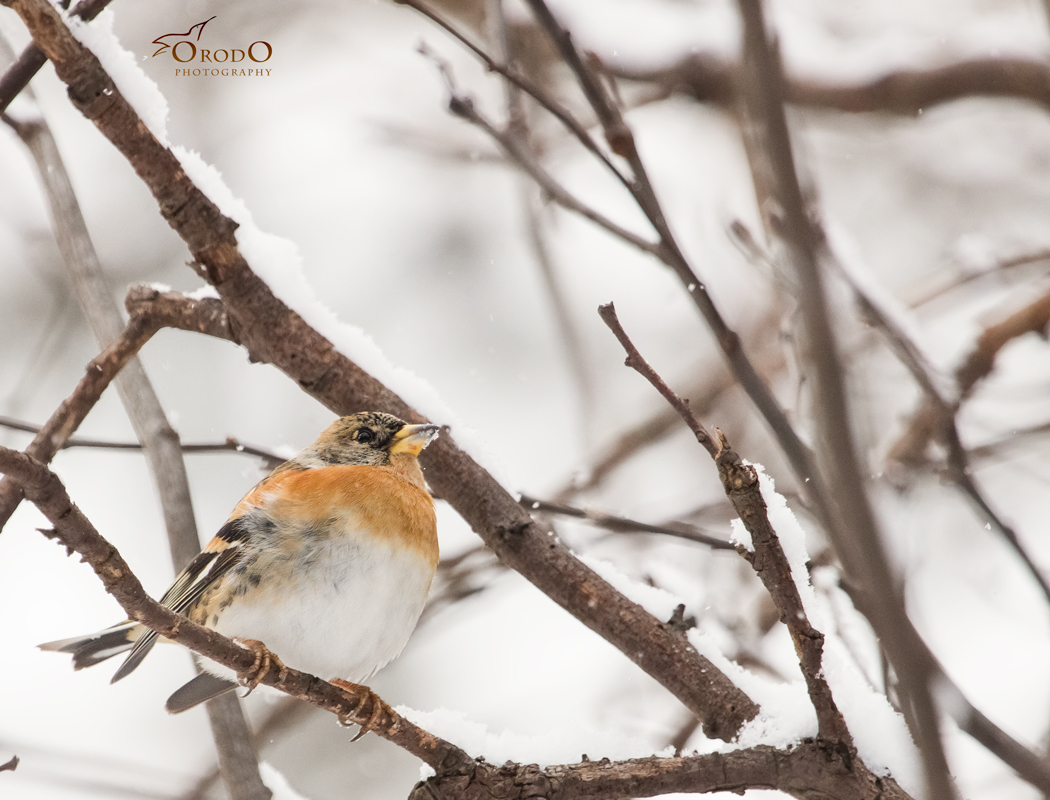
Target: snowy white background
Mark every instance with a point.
(408, 229)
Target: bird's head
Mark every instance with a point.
(370, 437)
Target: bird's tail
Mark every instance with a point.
(90, 650)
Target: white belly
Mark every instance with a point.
(350, 614)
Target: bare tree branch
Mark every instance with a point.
(958, 471)
(463, 106)
(514, 76)
(802, 772)
(910, 448)
(621, 141)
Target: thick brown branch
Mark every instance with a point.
(740, 482)
(32, 59)
(809, 771)
(273, 333)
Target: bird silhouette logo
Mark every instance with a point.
(165, 45)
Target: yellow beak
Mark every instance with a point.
(413, 438)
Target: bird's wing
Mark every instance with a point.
(224, 550)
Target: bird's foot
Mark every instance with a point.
(360, 695)
(264, 662)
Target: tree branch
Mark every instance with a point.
(273, 333)
(231, 445)
(740, 482)
(944, 412)
(32, 59)
(621, 140)
(807, 771)
(905, 92)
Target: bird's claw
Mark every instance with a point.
(264, 662)
(360, 695)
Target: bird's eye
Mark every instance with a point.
(364, 436)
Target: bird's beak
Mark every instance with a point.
(413, 438)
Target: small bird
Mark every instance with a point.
(328, 561)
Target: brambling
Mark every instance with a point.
(328, 561)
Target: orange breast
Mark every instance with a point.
(353, 497)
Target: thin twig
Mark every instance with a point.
(624, 525)
(514, 76)
(1033, 318)
(270, 460)
(962, 276)
(766, 556)
(708, 79)
(67, 418)
(463, 106)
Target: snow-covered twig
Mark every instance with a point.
(765, 554)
